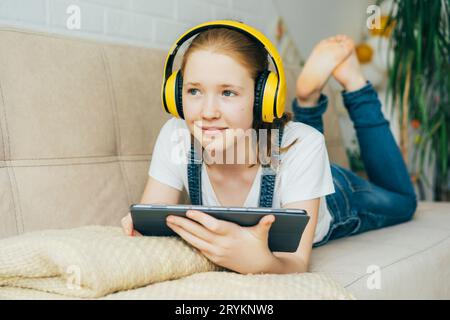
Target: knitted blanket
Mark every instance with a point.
(98, 262)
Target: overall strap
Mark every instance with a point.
(194, 172)
(269, 174)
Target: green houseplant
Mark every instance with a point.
(419, 83)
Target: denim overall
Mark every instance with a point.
(194, 172)
(387, 197)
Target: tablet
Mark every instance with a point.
(284, 235)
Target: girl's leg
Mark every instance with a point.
(311, 116)
(310, 103)
(359, 205)
(381, 156)
(388, 198)
(379, 151)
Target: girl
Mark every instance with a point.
(219, 70)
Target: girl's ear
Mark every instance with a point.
(171, 95)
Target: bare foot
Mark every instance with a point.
(348, 73)
(325, 57)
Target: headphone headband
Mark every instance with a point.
(280, 89)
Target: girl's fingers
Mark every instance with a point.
(127, 224)
(215, 225)
(137, 234)
(192, 227)
(200, 244)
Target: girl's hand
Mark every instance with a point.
(127, 226)
(237, 248)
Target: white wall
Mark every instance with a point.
(310, 21)
(150, 23)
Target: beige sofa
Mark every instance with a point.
(78, 120)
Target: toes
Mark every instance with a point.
(347, 40)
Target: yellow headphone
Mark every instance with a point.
(270, 87)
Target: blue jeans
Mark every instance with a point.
(388, 197)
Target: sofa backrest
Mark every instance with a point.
(78, 120)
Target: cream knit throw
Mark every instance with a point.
(101, 262)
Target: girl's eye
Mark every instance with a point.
(192, 91)
(229, 93)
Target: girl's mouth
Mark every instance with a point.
(212, 130)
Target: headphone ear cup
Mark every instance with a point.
(179, 94)
(260, 83)
(172, 95)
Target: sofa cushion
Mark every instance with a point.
(413, 258)
(78, 121)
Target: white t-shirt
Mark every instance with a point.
(304, 172)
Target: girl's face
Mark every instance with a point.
(218, 95)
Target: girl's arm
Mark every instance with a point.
(155, 192)
(287, 262)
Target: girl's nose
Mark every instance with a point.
(210, 108)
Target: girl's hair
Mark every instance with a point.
(249, 53)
